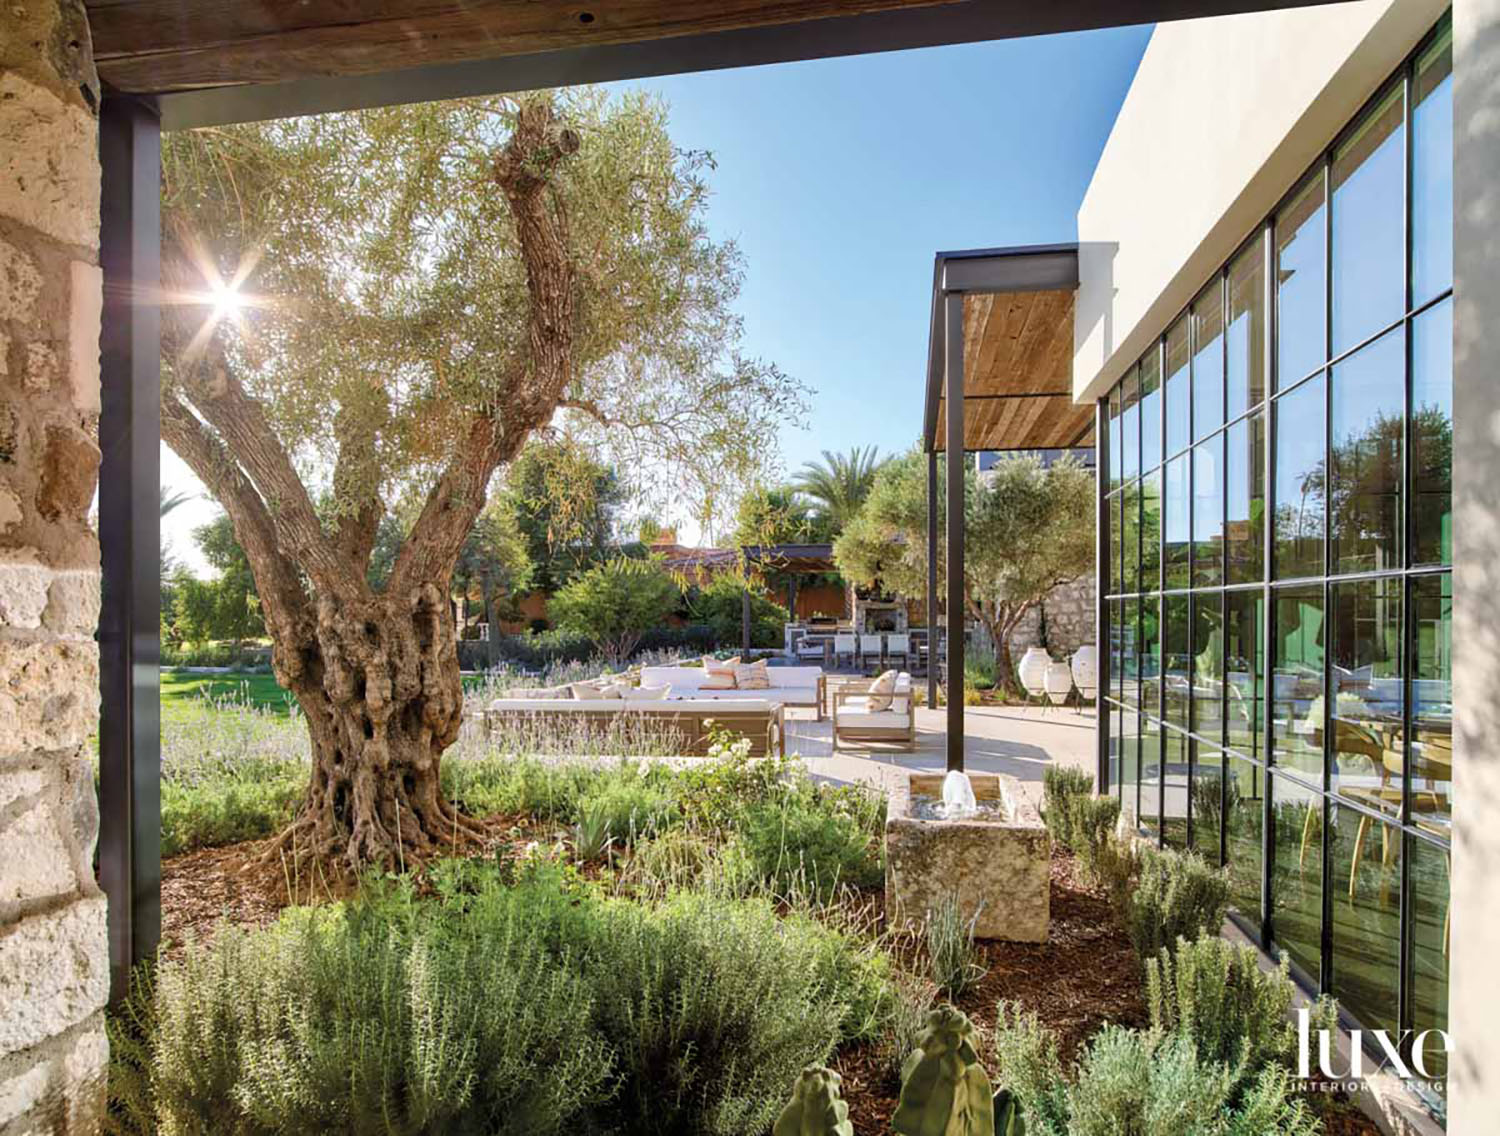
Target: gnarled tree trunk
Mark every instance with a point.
(379, 683)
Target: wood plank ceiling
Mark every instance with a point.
(1018, 374)
(160, 46)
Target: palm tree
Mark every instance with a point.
(839, 484)
(171, 498)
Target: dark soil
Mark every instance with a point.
(1084, 976)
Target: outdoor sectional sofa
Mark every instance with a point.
(790, 686)
(693, 719)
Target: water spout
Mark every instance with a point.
(958, 797)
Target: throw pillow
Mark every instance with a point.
(752, 676)
(593, 690)
(719, 676)
(645, 693)
(880, 692)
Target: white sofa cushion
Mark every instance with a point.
(799, 683)
(880, 719)
(644, 693)
(861, 704)
(646, 706)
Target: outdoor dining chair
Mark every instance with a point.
(844, 645)
(871, 647)
(898, 647)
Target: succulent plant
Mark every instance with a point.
(1008, 1120)
(944, 1089)
(815, 1108)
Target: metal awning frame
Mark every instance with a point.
(955, 275)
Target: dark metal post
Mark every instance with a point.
(953, 354)
(932, 589)
(1102, 457)
(745, 620)
(130, 532)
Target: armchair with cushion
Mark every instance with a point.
(878, 710)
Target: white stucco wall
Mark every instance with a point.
(1223, 116)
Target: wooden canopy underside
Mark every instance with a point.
(1018, 374)
(179, 45)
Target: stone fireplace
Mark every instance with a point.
(873, 616)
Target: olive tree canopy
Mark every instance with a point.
(385, 305)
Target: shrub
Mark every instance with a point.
(534, 1008)
(614, 603)
(811, 838)
(1130, 1081)
(258, 800)
(719, 607)
(340, 1022)
(950, 947)
(1215, 994)
(627, 805)
(1091, 828)
(1060, 786)
(1176, 895)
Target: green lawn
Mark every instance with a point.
(184, 692)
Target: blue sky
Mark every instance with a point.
(839, 179)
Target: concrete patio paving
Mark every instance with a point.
(1020, 741)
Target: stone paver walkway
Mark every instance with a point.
(1017, 740)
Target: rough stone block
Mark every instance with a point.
(49, 165)
(32, 850)
(999, 870)
(49, 695)
(73, 602)
(54, 969)
(42, 366)
(10, 508)
(83, 331)
(23, 1091)
(20, 284)
(23, 594)
(70, 473)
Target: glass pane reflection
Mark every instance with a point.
(1245, 676)
(1208, 360)
(1430, 923)
(1150, 411)
(1244, 799)
(1368, 423)
(1368, 698)
(1177, 531)
(1297, 682)
(1177, 387)
(1245, 338)
(1431, 752)
(1297, 873)
(1208, 513)
(1244, 522)
(1300, 332)
(1432, 171)
(1366, 860)
(1432, 435)
(1369, 251)
(1299, 418)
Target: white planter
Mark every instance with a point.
(1086, 670)
(1059, 681)
(1032, 671)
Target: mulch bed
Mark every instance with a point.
(1085, 975)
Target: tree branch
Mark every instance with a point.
(288, 611)
(527, 400)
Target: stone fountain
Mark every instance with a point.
(976, 836)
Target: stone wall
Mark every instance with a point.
(1071, 618)
(54, 970)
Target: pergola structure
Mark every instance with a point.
(175, 64)
(791, 560)
(999, 377)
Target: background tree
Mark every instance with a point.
(839, 484)
(493, 565)
(613, 604)
(225, 606)
(1029, 528)
(387, 305)
(566, 504)
(719, 605)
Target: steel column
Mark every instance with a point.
(130, 532)
(1102, 457)
(953, 333)
(745, 620)
(932, 587)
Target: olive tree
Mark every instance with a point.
(386, 305)
(1028, 528)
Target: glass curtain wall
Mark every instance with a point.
(1280, 594)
